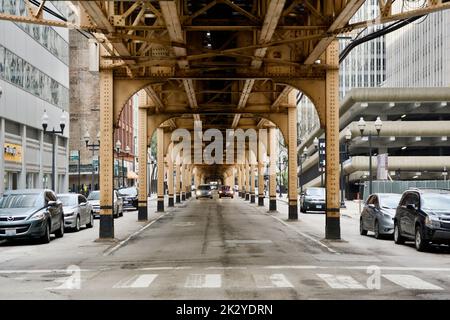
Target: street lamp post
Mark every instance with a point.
(93, 147)
(62, 125)
(303, 157)
(362, 126)
(344, 153)
(316, 147)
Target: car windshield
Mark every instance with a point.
(434, 201)
(19, 200)
(69, 200)
(389, 201)
(204, 188)
(225, 188)
(94, 195)
(127, 192)
(318, 192)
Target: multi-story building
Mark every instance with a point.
(364, 67)
(34, 78)
(418, 61)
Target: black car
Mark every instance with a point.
(424, 217)
(129, 196)
(31, 213)
(313, 199)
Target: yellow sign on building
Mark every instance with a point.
(12, 152)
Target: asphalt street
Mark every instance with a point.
(222, 249)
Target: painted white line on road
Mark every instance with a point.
(139, 281)
(40, 271)
(340, 282)
(123, 242)
(276, 280)
(164, 268)
(305, 235)
(410, 282)
(292, 267)
(203, 281)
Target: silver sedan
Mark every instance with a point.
(77, 211)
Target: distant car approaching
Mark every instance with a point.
(313, 199)
(226, 191)
(77, 211)
(31, 213)
(129, 197)
(203, 191)
(378, 214)
(424, 217)
(94, 199)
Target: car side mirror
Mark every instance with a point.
(52, 204)
(411, 206)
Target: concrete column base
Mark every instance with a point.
(142, 211)
(261, 201)
(247, 196)
(252, 198)
(160, 205)
(177, 198)
(171, 204)
(273, 204)
(106, 226)
(293, 210)
(332, 228)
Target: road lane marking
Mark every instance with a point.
(165, 268)
(410, 282)
(138, 281)
(305, 235)
(275, 280)
(203, 281)
(340, 281)
(123, 242)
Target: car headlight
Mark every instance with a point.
(432, 221)
(197, 192)
(68, 214)
(40, 215)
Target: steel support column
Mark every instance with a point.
(142, 152)
(247, 180)
(106, 229)
(177, 180)
(160, 161)
(183, 181)
(252, 183)
(170, 175)
(273, 149)
(332, 226)
(292, 159)
(261, 159)
(239, 168)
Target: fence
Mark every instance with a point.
(401, 186)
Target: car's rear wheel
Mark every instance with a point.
(46, 236)
(398, 239)
(91, 221)
(60, 232)
(362, 231)
(420, 242)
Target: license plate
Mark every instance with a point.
(10, 232)
(318, 207)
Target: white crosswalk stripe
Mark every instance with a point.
(203, 281)
(138, 281)
(411, 282)
(340, 281)
(276, 280)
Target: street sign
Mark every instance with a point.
(74, 155)
(322, 155)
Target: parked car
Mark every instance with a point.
(378, 214)
(129, 197)
(226, 191)
(203, 191)
(94, 199)
(31, 213)
(423, 216)
(312, 199)
(77, 211)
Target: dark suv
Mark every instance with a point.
(423, 216)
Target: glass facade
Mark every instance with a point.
(44, 35)
(19, 72)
